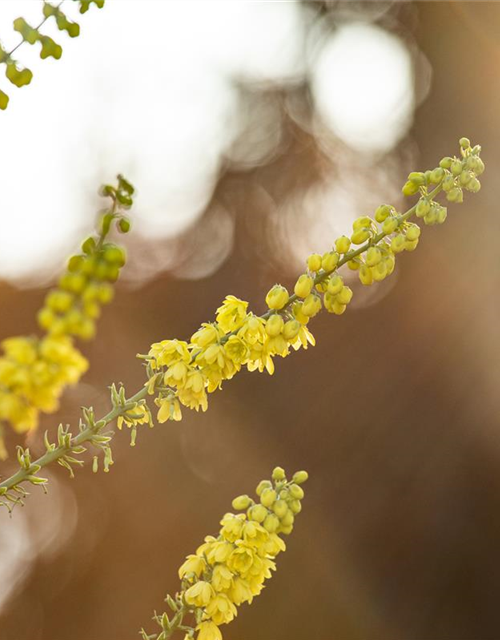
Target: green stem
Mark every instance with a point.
(84, 436)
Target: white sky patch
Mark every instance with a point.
(363, 87)
(146, 90)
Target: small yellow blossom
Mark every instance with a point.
(231, 314)
(208, 334)
(170, 409)
(220, 609)
(140, 414)
(193, 565)
(168, 352)
(208, 631)
(200, 594)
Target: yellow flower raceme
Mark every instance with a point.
(34, 371)
(231, 568)
(238, 338)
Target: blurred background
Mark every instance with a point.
(255, 133)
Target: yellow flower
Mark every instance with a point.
(232, 526)
(170, 408)
(168, 352)
(303, 339)
(208, 631)
(176, 374)
(237, 350)
(219, 551)
(193, 564)
(253, 330)
(277, 346)
(260, 359)
(242, 558)
(139, 414)
(240, 591)
(222, 577)
(255, 535)
(208, 334)
(21, 350)
(193, 394)
(221, 609)
(231, 314)
(200, 594)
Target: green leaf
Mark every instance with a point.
(49, 10)
(16, 76)
(4, 100)
(28, 33)
(63, 24)
(49, 48)
(85, 4)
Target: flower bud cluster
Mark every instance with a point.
(183, 373)
(34, 371)
(75, 305)
(232, 567)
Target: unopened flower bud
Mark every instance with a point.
(278, 474)
(268, 497)
(277, 297)
(314, 262)
(335, 284)
(303, 286)
(241, 503)
(342, 244)
(330, 261)
(274, 325)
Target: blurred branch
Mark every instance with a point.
(21, 76)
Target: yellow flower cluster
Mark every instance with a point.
(231, 568)
(34, 371)
(182, 373)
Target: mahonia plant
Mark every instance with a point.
(183, 373)
(14, 71)
(230, 569)
(35, 370)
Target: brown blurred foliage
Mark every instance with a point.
(394, 414)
